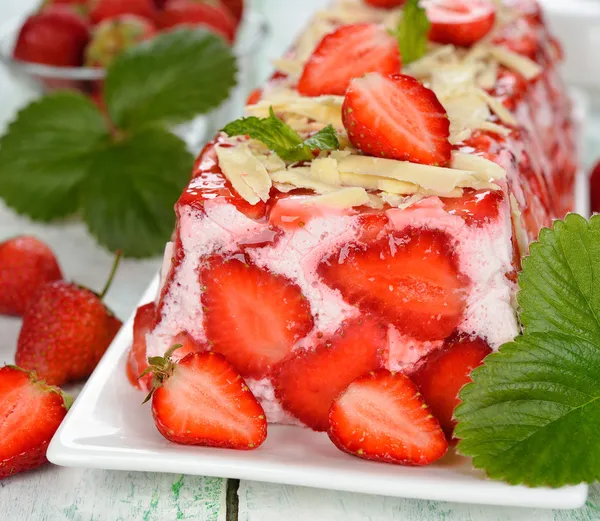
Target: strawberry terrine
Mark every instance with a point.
(370, 212)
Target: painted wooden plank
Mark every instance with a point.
(56, 494)
(265, 502)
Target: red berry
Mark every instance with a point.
(202, 400)
(443, 373)
(459, 22)
(381, 416)
(308, 382)
(236, 8)
(30, 413)
(595, 189)
(215, 18)
(114, 35)
(55, 36)
(396, 117)
(105, 9)
(26, 264)
(137, 361)
(411, 279)
(349, 52)
(252, 316)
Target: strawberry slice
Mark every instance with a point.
(252, 316)
(30, 413)
(381, 416)
(307, 383)
(385, 4)
(459, 22)
(202, 400)
(398, 118)
(137, 363)
(349, 52)
(443, 373)
(410, 279)
(477, 208)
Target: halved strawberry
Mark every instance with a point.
(307, 383)
(396, 117)
(443, 373)
(459, 22)
(30, 413)
(409, 278)
(349, 52)
(385, 4)
(381, 416)
(252, 316)
(475, 207)
(202, 400)
(137, 361)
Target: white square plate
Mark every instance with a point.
(108, 428)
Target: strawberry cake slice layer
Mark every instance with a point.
(358, 224)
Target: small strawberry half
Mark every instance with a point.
(396, 117)
(252, 316)
(594, 189)
(411, 279)
(26, 264)
(459, 22)
(477, 208)
(66, 331)
(30, 413)
(385, 4)
(443, 373)
(307, 383)
(137, 362)
(349, 52)
(202, 400)
(381, 416)
(216, 18)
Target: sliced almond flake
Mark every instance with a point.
(521, 64)
(326, 110)
(518, 225)
(289, 66)
(498, 108)
(353, 11)
(393, 186)
(375, 202)
(459, 137)
(439, 179)
(494, 127)
(394, 200)
(340, 199)
(272, 162)
(246, 173)
(483, 169)
(297, 178)
(284, 187)
(326, 170)
(431, 61)
(488, 76)
(340, 154)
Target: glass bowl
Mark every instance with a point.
(44, 78)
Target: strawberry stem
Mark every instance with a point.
(113, 272)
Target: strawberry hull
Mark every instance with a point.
(275, 266)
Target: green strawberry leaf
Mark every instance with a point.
(127, 200)
(46, 153)
(532, 413)
(412, 32)
(170, 78)
(281, 138)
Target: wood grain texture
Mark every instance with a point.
(265, 502)
(57, 494)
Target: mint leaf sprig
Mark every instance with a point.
(532, 414)
(412, 32)
(61, 156)
(282, 139)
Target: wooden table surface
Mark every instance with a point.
(54, 493)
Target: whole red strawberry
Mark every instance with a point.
(26, 264)
(30, 413)
(203, 400)
(55, 36)
(65, 332)
(113, 36)
(216, 18)
(105, 9)
(595, 189)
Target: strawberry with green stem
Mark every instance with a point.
(203, 400)
(30, 413)
(66, 331)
